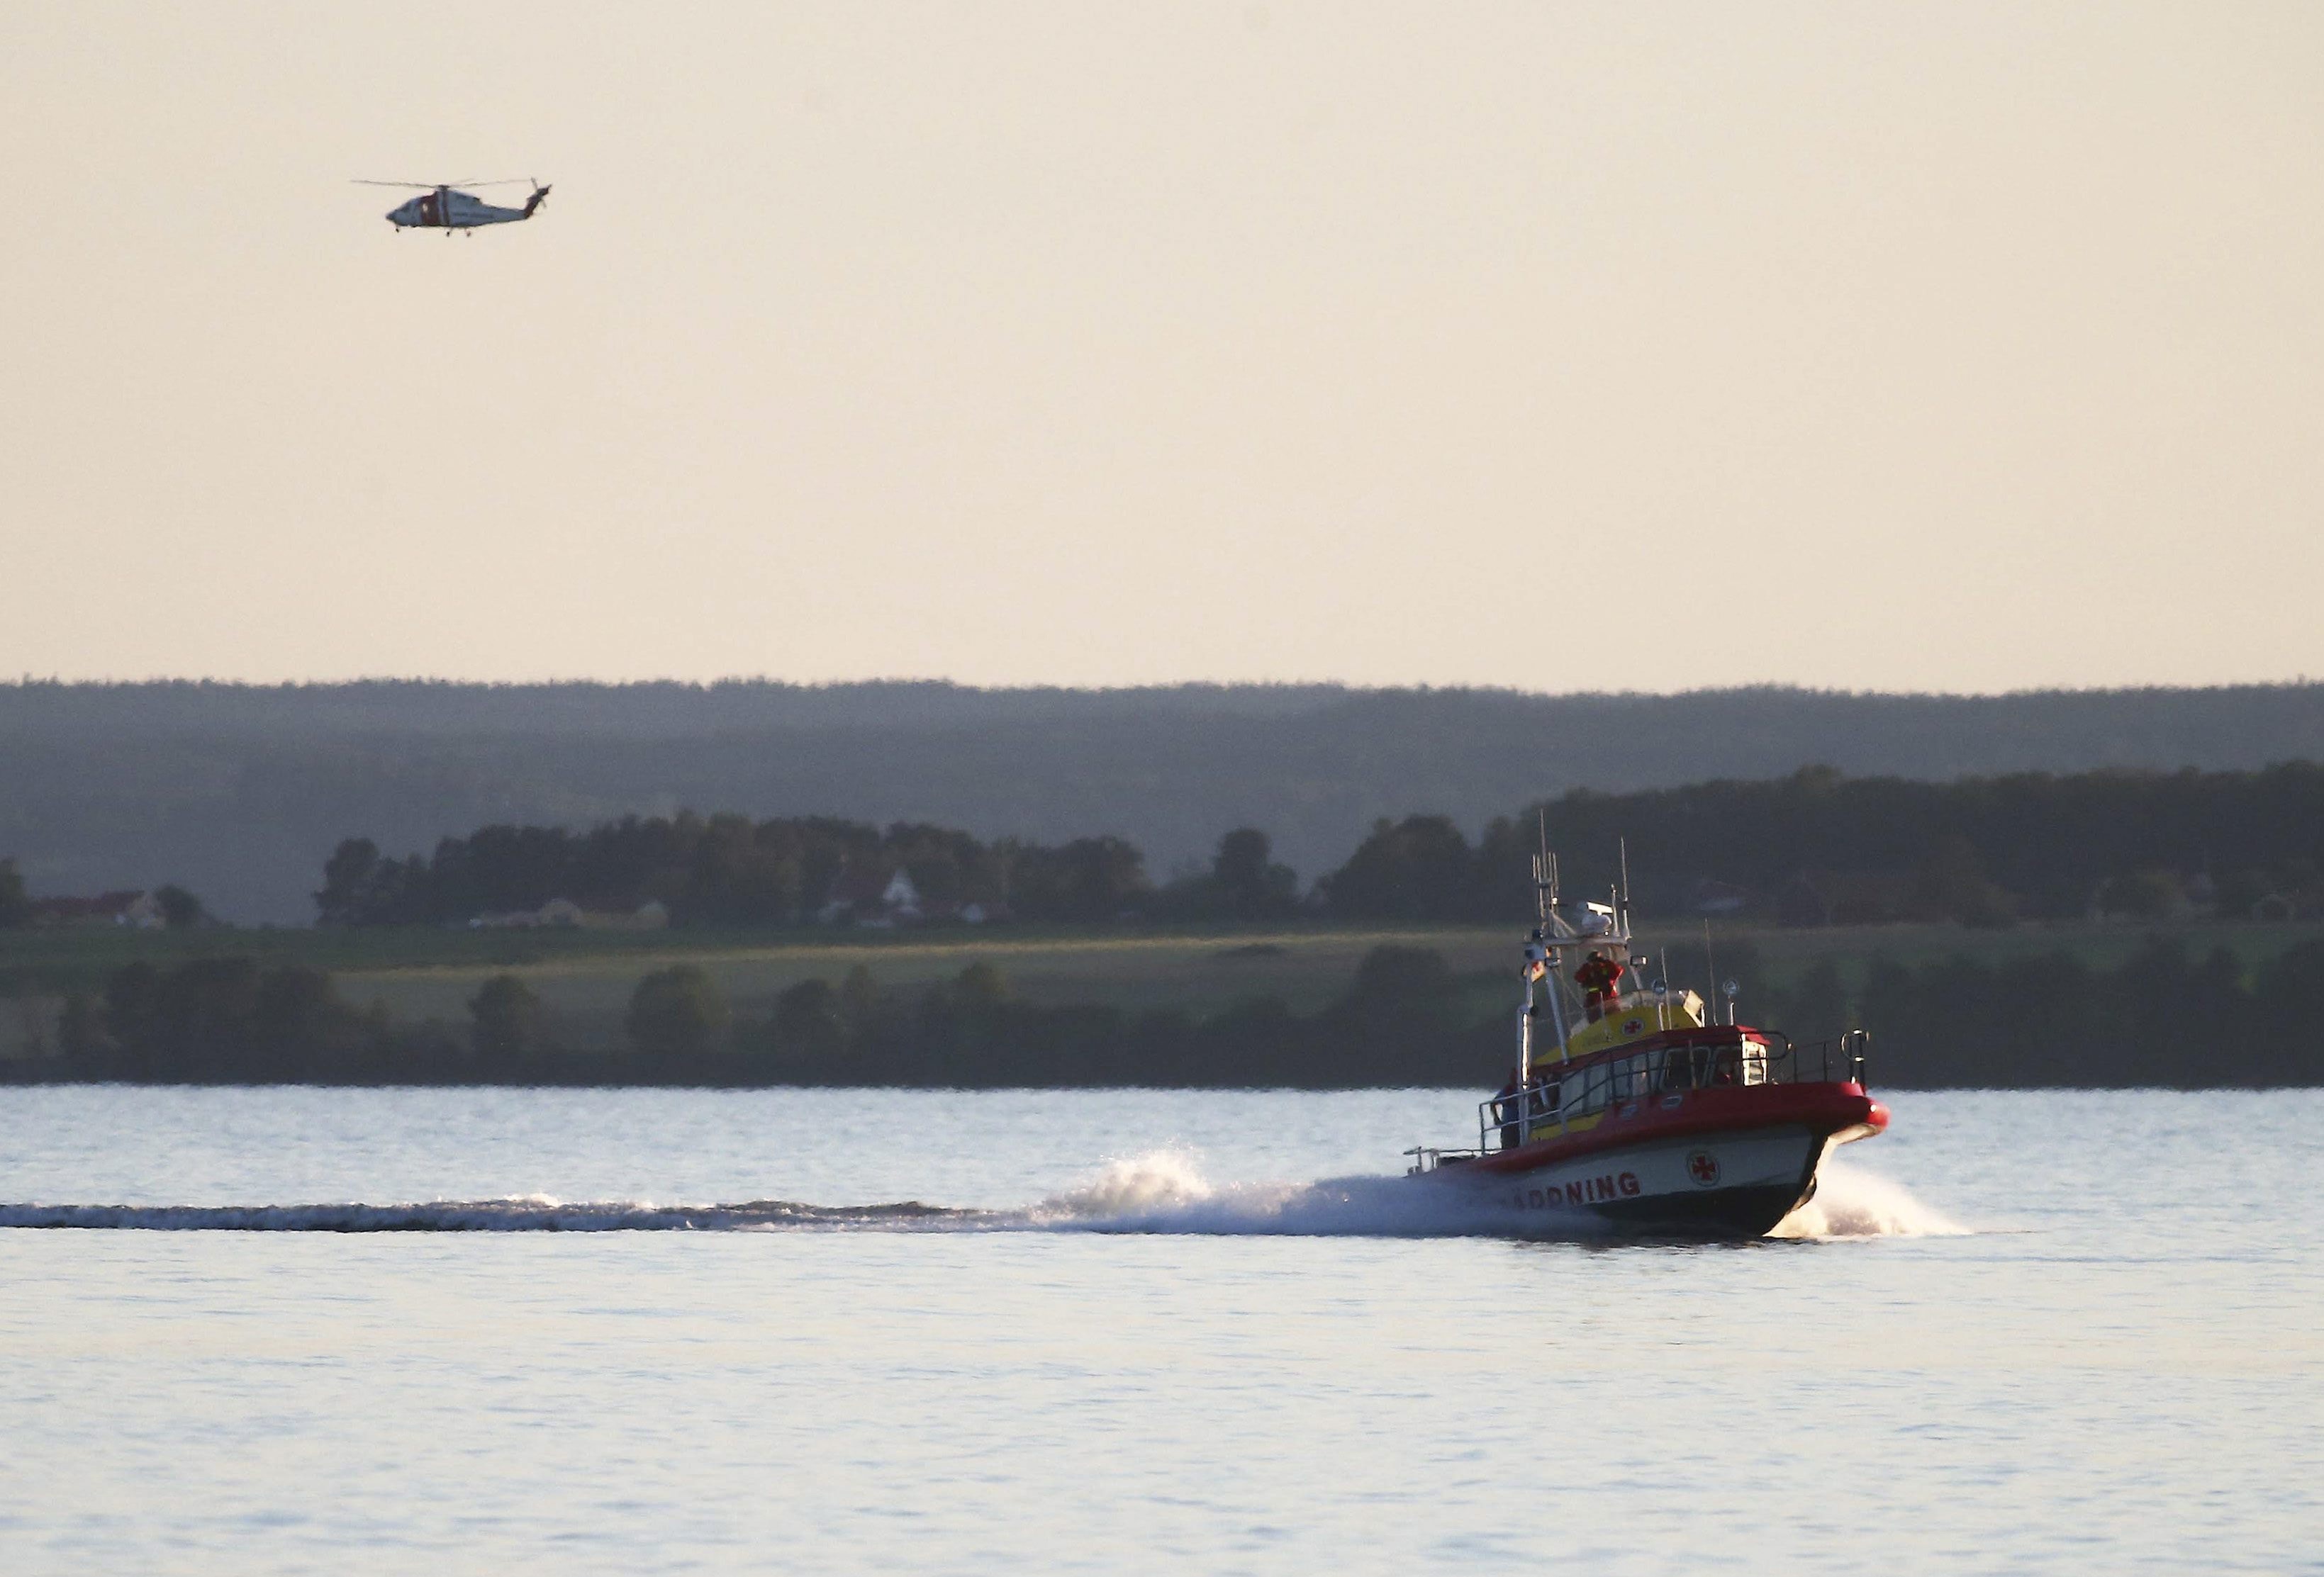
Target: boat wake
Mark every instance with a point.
(1162, 1192)
(1165, 1192)
(532, 1214)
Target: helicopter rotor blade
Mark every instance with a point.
(429, 186)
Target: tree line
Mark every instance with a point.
(2163, 1017)
(1814, 848)
(1407, 1018)
(730, 870)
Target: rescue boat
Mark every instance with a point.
(1642, 1109)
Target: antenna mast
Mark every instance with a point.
(1709, 968)
(1545, 871)
(1624, 844)
(1541, 957)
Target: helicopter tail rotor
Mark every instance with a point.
(533, 203)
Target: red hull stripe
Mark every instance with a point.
(1823, 1109)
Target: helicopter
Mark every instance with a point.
(441, 206)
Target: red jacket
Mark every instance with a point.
(1598, 976)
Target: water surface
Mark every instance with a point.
(1148, 1340)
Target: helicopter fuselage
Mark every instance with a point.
(445, 208)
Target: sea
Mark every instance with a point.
(452, 1331)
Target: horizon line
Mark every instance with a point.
(25, 682)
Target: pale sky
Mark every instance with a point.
(1949, 346)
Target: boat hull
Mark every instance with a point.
(1714, 1164)
(1736, 1184)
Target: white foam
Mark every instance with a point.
(1850, 1202)
(1159, 1180)
(1164, 1192)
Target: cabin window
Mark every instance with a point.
(1685, 1070)
(1585, 1092)
(1573, 1095)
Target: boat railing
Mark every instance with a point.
(1557, 1101)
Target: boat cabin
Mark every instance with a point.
(1574, 1097)
(1667, 1072)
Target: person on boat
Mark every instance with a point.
(1545, 1092)
(1505, 1107)
(1599, 978)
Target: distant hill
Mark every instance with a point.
(240, 792)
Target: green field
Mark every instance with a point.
(588, 991)
(585, 978)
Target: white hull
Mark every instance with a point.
(1720, 1183)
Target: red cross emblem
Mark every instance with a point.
(1702, 1166)
(1634, 1026)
